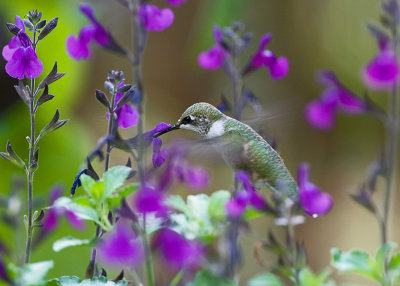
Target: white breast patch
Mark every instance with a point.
(217, 129)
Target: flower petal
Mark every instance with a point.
(155, 19)
(120, 247)
(279, 68)
(197, 177)
(149, 200)
(320, 115)
(212, 59)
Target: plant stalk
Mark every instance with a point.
(147, 251)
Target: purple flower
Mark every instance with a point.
(383, 71)
(15, 43)
(313, 201)
(22, 59)
(78, 47)
(176, 2)
(197, 177)
(321, 113)
(127, 116)
(278, 66)
(155, 19)
(121, 248)
(179, 252)
(213, 58)
(235, 208)
(159, 156)
(52, 218)
(148, 199)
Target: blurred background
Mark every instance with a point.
(312, 34)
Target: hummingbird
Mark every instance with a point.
(241, 146)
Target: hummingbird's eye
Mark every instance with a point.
(186, 120)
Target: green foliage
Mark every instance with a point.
(265, 279)
(34, 273)
(308, 278)
(73, 280)
(206, 278)
(102, 195)
(69, 241)
(201, 217)
(358, 261)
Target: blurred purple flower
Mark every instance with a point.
(313, 201)
(149, 199)
(321, 113)
(213, 58)
(278, 66)
(155, 19)
(3, 273)
(176, 3)
(127, 116)
(236, 206)
(22, 59)
(78, 47)
(159, 156)
(197, 177)
(179, 252)
(383, 71)
(121, 248)
(51, 220)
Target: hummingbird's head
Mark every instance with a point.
(199, 118)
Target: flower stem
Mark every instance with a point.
(147, 250)
(392, 134)
(139, 44)
(30, 171)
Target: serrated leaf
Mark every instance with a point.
(48, 28)
(35, 273)
(115, 200)
(308, 278)
(115, 178)
(176, 202)
(81, 211)
(382, 253)
(206, 278)
(69, 241)
(216, 206)
(355, 261)
(95, 189)
(44, 97)
(265, 279)
(51, 77)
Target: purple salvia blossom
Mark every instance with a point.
(321, 113)
(155, 19)
(159, 156)
(313, 201)
(213, 58)
(383, 71)
(196, 177)
(15, 43)
(121, 247)
(127, 116)
(22, 59)
(278, 66)
(149, 199)
(178, 252)
(78, 47)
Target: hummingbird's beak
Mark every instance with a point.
(173, 127)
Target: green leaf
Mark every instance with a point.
(115, 200)
(35, 273)
(87, 183)
(69, 241)
(394, 267)
(381, 255)
(206, 278)
(176, 202)
(251, 213)
(355, 261)
(115, 178)
(265, 279)
(73, 280)
(308, 278)
(216, 206)
(81, 211)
